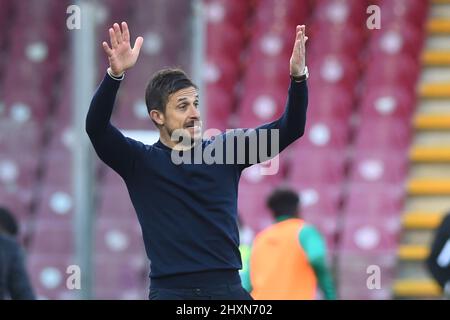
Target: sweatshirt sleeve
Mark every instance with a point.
(268, 140)
(113, 148)
(314, 246)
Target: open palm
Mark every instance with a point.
(120, 55)
(297, 62)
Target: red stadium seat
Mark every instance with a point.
(354, 270)
(48, 275)
(18, 172)
(288, 11)
(320, 207)
(252, 207)
(233, 12)
(329, 102)
(374, 236)
(219, 106)
(400, 70)
(334, 69)
(414, 11)
(374, 201)
(271, 43)
(340, 12)
(56, 204)
(262, 105)
(387, 101)
(221, 71)
(224, 39)
(266, 71)
(53, 238)
(25, 107)
(118, 236)
(324, 134)
(379, 167)
(383, 134)
(317, 166)
(340, 39)
(121, 277)
(397, 38)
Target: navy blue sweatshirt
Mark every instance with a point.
(187, 212)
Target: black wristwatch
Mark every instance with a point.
(301, 78)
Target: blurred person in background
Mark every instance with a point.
(246, 236)
(438, 262)
(288, 259)
(187, 211)
(14, 281)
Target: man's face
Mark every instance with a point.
(182, 113)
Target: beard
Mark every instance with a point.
(183, 137)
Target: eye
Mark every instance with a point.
(196, 104)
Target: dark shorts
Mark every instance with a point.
(220, 292)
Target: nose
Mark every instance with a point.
(195, 113)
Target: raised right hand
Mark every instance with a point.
(121, 56)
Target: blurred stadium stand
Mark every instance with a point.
(355, 167)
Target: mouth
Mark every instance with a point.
(193, 126)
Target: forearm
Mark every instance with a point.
(292, 122)
(291, 125)
(111, 145)
(101, 108)
(324, 278)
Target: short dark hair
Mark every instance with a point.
(283, 202)
(8, 223)
(162, 84)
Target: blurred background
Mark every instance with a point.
(373, 168)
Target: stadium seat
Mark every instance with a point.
(262, 105)
(340, 39)
(383, 134)
(320, 207)
(52, 238)
(118, 236)
(392, 70)
(317, 165)
(252, 207)
(374, 200)
(121, 277)
(233, 12)
(324, 134)
(397, 38)
(55, 204)
(370, 166)
(334, 69)
(364, 276)
(49, 274)
(387, 101)
(414, 11)
(329, 102)
(286, 11)
(340, 12)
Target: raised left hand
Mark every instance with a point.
(297, 62)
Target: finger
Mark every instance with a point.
(125, 32)
(112, 37)
(118, 33)
(107, 49)
(296, 50)
(138, 45)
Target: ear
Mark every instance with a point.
(157, 116)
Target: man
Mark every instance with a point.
(438, 262)
(14, 281)
(187, 211)
(288, 259)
